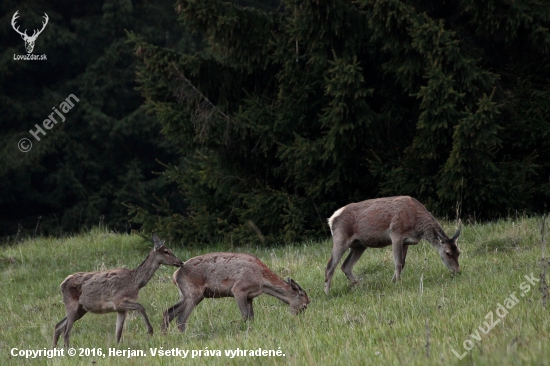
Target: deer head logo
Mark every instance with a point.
(29, 41)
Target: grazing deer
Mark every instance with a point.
(109, 291)
(238, 275)
(396, 221)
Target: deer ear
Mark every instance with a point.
(437, 235)
(291, 282)
(157, 242)
(456, 235)
(294, 285)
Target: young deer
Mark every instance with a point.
(238, 275)
(396, 221)
(109, 291)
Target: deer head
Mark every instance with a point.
(163, 254)
(29, 41)
(299, 302)
(448, 250)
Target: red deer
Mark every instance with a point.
(111, 291)
(238, 275)
(377, 223)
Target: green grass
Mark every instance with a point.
(375, 322)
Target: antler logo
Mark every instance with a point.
(29, 41)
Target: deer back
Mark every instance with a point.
(219, 274)
(216, 273)
(373, 220)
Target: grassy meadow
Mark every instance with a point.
(419, 321)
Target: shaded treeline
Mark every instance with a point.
(290, 114)
(104, 153)
(280, 114)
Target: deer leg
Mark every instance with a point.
(121, 316)
(397, 249)
(61, 326)
(405, 248)
(126, 306)
(68, 326)
(339, 247)
(250, 309)
(72, 316)
(170, 314)
(174, 311)
(188, 306)
(242, 302)
(352, 258)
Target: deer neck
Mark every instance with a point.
(279, 289)
(430, 237)
(145, 271)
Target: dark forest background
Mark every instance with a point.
(255, 120)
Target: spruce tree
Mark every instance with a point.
(289, 114)
(103, 154)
